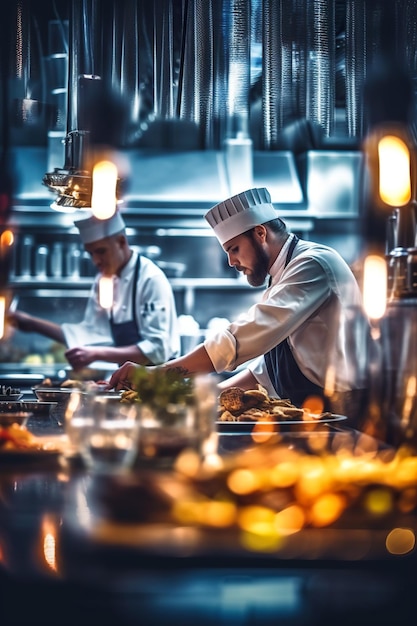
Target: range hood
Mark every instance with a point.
(209, 91)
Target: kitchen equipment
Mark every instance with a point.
(263, 427)
(57, 260)
(10, 397)
(73, 261)
(35, 408)
(397, 272)
(53, 394)
(41, 262)
(103, 431)
(26, 252)
(15, 417)
(399, 345)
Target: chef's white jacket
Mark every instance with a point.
(155, 313)
(315, 303)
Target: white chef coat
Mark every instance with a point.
(310, 302)
(155, 313)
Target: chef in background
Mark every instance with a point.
(285, 339)
(141, 326)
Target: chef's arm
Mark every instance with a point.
(82, 356)
(195, 362)
(243, 379)
(30, 324)
(198, 362)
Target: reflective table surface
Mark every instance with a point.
(77, 548)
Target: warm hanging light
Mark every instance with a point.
(2, 315)
(375, 286)
(103, 196)
(6, 240)
(105, 292)
(394, 171)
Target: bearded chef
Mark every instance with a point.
(283, 340)
(140, 326)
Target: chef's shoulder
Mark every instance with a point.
(325, 257)
(150, 269)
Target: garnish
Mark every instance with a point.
(162, 390)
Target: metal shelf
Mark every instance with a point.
(76, 284)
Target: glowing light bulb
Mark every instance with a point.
(2, 315)
(103, 196)
(375, 286)
(394, 171)
(105, 292)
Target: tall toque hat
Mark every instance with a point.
(93, 229)
(240, 213)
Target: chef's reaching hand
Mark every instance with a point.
(122, 378)
(80, 357)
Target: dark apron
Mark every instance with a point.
(127, 333)
(286, 377)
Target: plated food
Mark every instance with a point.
(17, 437)
(14, 417)
(60, 391)
(19, 446)
(239, 405)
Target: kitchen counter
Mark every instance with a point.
(73, 545)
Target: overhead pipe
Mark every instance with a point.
(355, 64)
(320, 92)
(277, 69)
(237, 143)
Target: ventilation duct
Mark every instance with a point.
(277, 69)
(97, 117)
(72, 183)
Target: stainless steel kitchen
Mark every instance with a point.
(186, 475)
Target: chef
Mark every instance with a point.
(284, 341)
(141, 326)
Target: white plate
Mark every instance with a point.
(279, 426)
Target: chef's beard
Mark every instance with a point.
(260, 270)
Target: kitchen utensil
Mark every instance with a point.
(14, 417)
(10, 397)
(36, 408)
(103, 431)
(278, 426)
(53, 394)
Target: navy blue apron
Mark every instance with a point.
(127, 333)
(286, 377)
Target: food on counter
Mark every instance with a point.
(65, 384)
(16, 437)
(39, 359)
(158, 388)
(236, 400)
(129, 396)
(70, 383)
(238, 405)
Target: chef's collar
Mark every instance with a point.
(279, 263)
(129, 267)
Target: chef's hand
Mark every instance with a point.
(80, 357)
(122, 378)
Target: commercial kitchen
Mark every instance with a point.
(300, 522)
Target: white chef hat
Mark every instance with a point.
(238, 214)
(93, 229)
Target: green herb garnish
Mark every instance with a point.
(159, 388)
